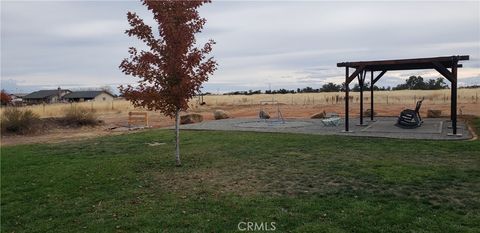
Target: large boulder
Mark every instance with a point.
(220, 114)
(319, 115)
(263, 114)
(431, 113)
(191, 118)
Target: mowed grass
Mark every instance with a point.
(303, 183)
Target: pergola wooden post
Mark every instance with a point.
(453, 104)
(346, 98)
(361, 82)
(440, 64)
(348, 80)
(371, 95)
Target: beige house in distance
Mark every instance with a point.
(45, 96)
(97, 96)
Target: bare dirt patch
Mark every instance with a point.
(157, 120)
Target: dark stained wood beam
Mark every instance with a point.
(361, 77)
(378, 77)
(354, 74)
(371, 92)
(405, 67)
(405, 62)
(453, 97)
(347, 89)
(443, 71)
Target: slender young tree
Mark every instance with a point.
(173, 69)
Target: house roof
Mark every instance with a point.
(19, 95)
(43, 94)
(85, 94)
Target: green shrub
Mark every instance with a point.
(79, 116)
(20, 122)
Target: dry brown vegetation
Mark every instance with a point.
(19, 121)
(467, 100)
(303, 105)
(386, 97)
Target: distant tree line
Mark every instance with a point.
(417, 83)
(249, 92)
(470, 87)
(279, 91)
(412, 83)
(366, 87)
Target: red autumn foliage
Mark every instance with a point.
(172, 71)
(5, 98)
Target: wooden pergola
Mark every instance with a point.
(362, 68)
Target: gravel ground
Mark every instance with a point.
(432, 128)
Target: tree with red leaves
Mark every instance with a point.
(173, 69)
(5, 98)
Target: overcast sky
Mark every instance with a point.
(283, 44)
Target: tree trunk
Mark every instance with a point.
(177, 138)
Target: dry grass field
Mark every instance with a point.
(381, 97)
(115, 114)
(468, 102)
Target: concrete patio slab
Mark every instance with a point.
(432, 128)
(429, 126)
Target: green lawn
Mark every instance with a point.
(303, 183)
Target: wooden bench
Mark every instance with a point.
(136, 118)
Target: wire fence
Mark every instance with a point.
(406, 97)
(381, 97)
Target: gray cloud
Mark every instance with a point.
(282, 44)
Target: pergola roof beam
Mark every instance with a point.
(354, 74)
(405, 62)
(443, 71)
(379, 76)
